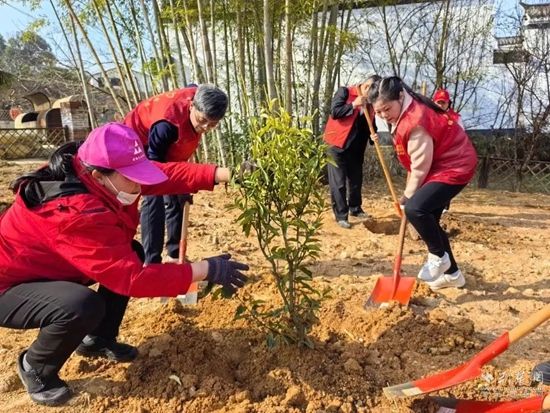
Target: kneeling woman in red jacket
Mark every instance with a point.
(73, 224)
(441, 161)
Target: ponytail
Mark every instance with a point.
(59, 168)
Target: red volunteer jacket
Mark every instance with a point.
(173, 107)
(86, 238)
(454, 158)
(337, 130)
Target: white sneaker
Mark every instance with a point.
(435, 267)
(456, 279)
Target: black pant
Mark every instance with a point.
(346, 176)
(424, 211)
(65, 312)
(155, 210)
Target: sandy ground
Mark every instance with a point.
(198, 359)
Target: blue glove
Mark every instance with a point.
(227, 273)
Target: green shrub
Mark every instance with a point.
(282, 201)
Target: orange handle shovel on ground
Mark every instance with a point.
(184, 230)
(384, 167)
(395, 287)
(472, 368)
(530, 405)
(191, 296)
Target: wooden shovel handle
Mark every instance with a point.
(529, 324)
(383, 164)
(399, 254)
(184, 227)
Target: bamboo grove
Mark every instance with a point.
(293, 51)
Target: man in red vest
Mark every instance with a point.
(347, 133)
(170, 126)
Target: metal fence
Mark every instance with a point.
(30, 143)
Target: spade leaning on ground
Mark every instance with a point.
(73, 224)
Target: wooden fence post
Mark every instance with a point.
(483, 177)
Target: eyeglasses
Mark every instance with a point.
(203, 121)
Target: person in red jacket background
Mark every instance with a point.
(347, 134)
(170, 126)
(440, 160)
(72, 224)
(443, 100)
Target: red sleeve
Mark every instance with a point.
(99, 249)
(183, 178)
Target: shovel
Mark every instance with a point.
(383, 164)
(191, 297)
(472, 368)
(394, 287)
(530, 405)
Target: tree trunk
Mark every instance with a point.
(255, 86)
(229, 120)
(214, 58)
(78, 60)
(96, 57)
(129, 73)
(312, 52)
(166, 52)
(288, 59)
(190, 44)
(142, 59)
(115, 58)
(268, 50)
(241, 66)
(319, 59)
(158, 60)
(178, 43)
(440, 57)
(205, 43)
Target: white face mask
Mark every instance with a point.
(125, 198)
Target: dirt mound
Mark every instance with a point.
(382, 225)
(356, 353)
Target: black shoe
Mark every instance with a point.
(93, 346)
(359, 213)
(50, 391)
(541, 373)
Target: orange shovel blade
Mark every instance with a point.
(386, 291)
(449, 378)
(531, 405)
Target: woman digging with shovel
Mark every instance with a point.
(73, 224)
(440, 160)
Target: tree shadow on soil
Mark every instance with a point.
(498, 291)
(520, 220)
